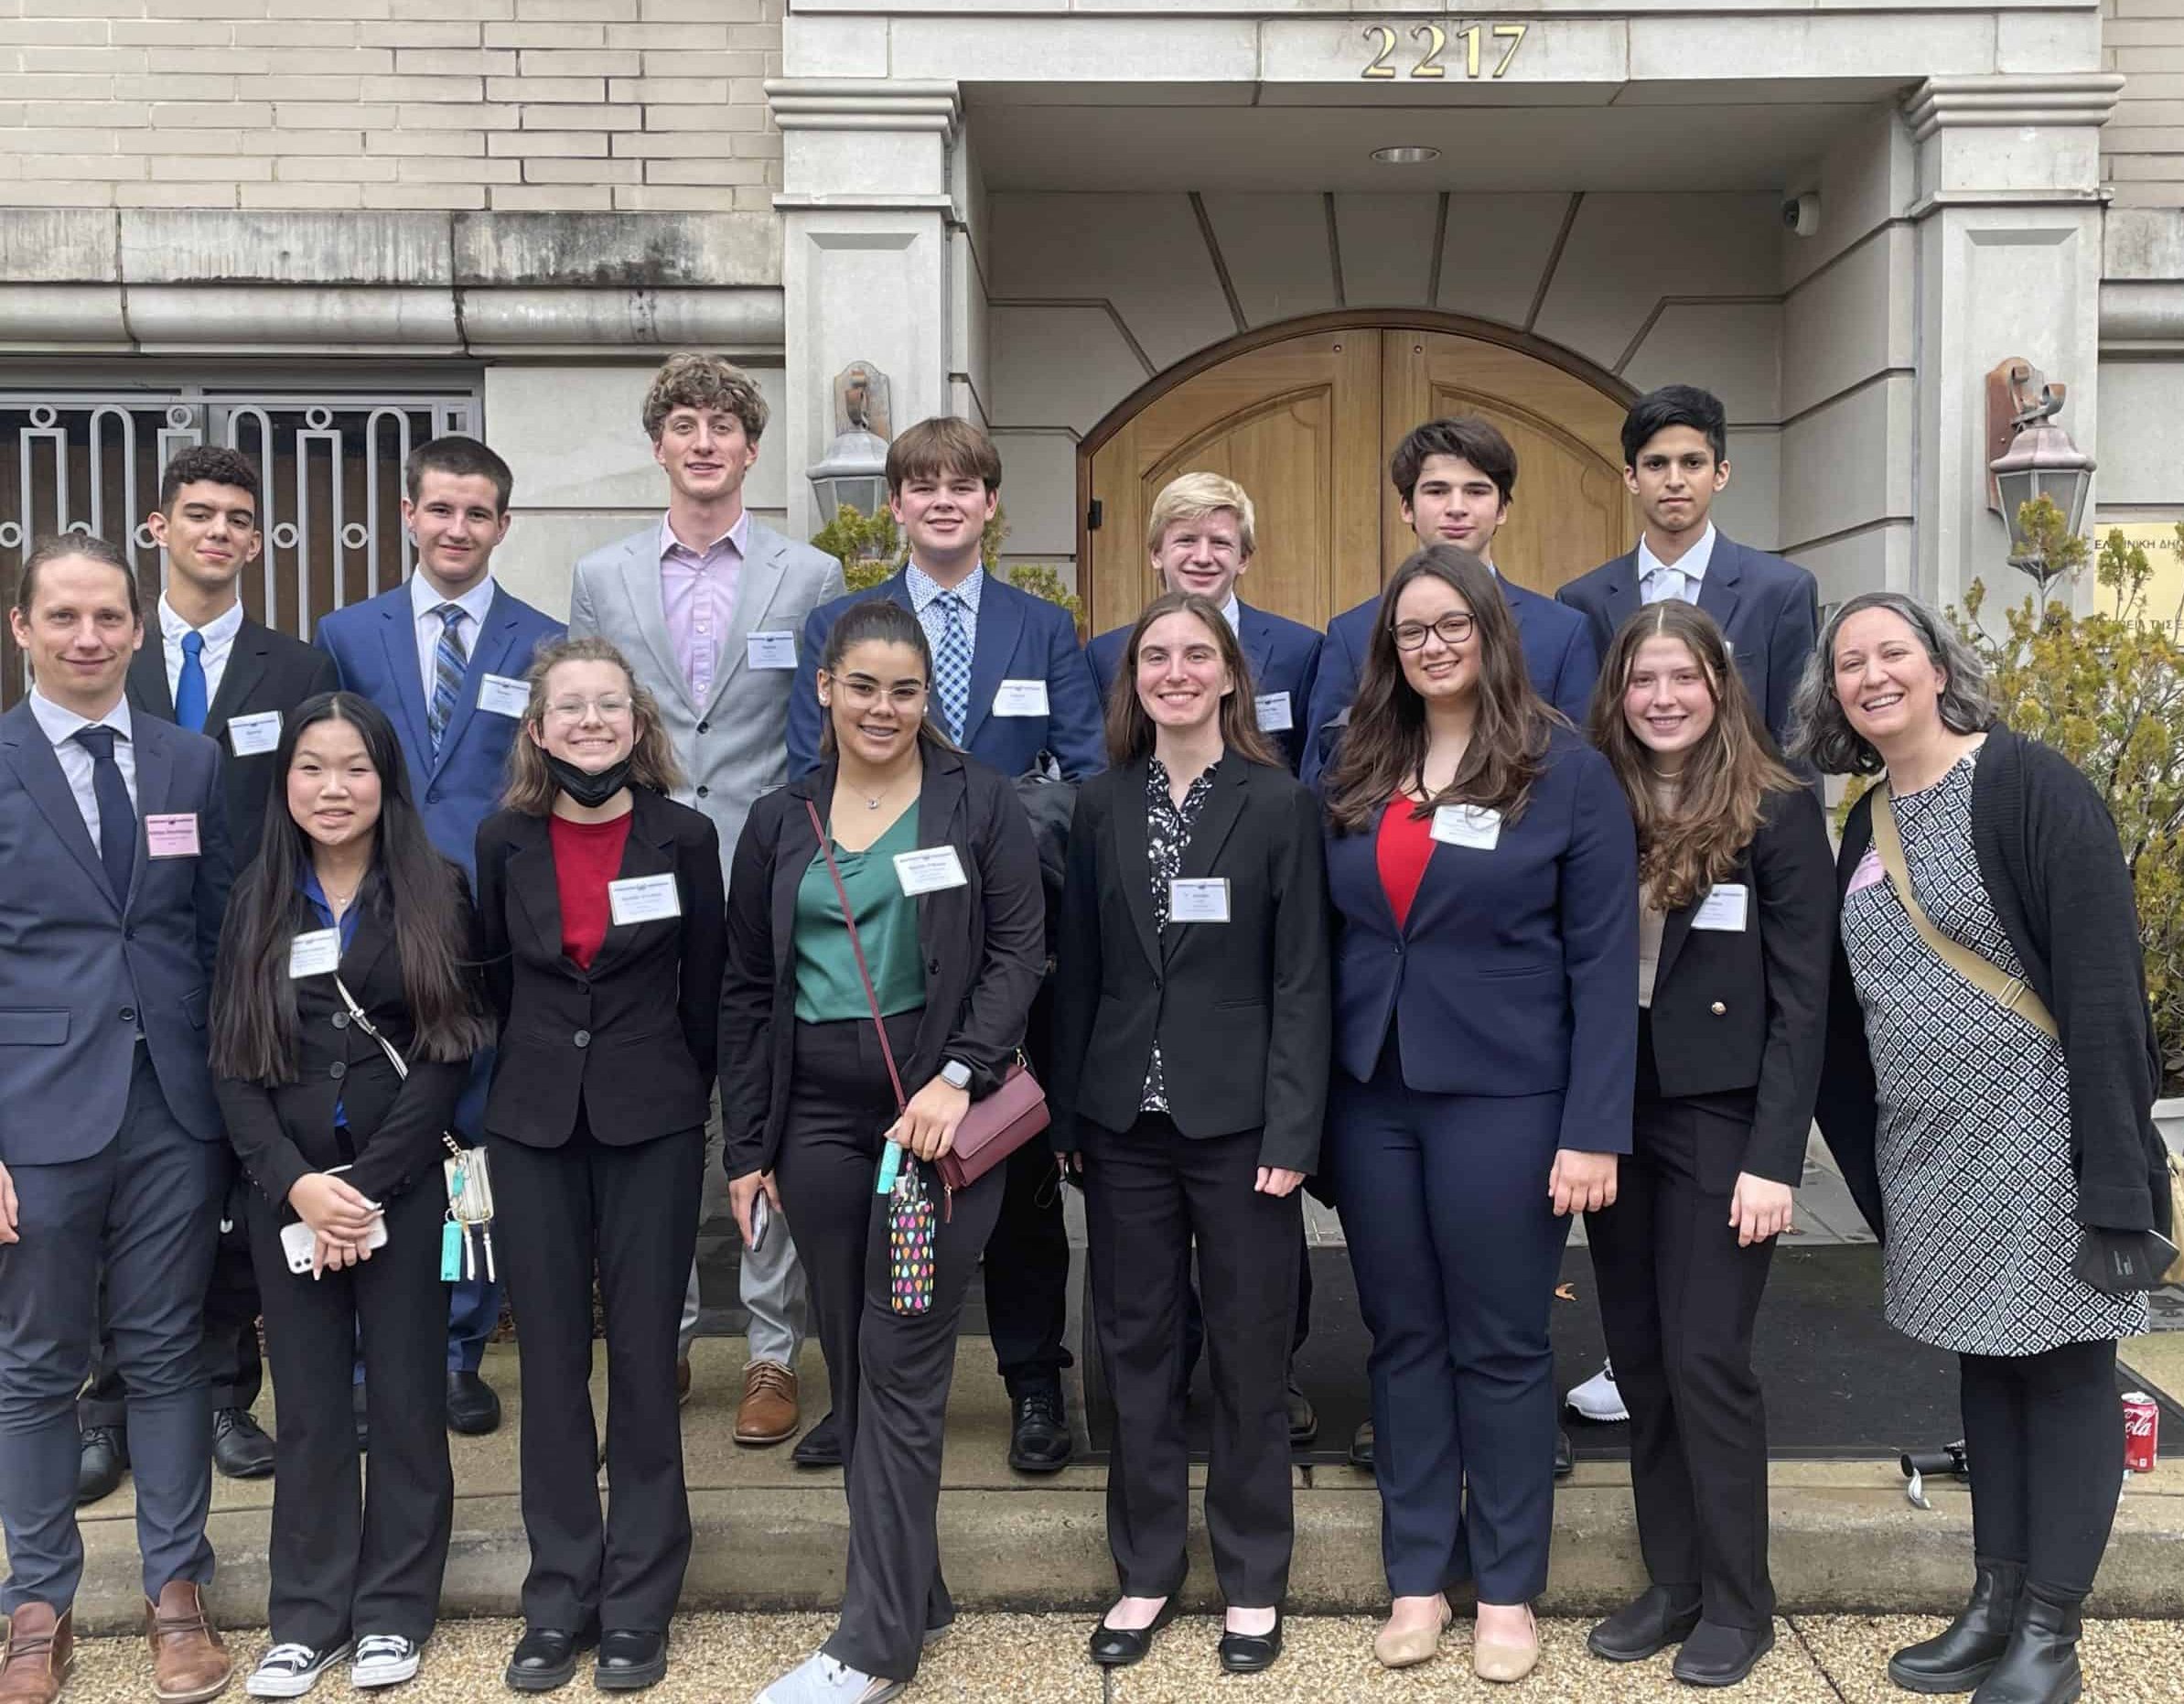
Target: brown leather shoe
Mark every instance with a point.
(768, 1413)
(40, 1650)
(189, 1662)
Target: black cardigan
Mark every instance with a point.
(2049, 861)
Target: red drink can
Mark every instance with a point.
(2142, 1432)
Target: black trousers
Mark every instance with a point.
(2045, 1449)
(348, 1560)
(1678, 1300)
(632, 1215)
(1194, 1312)
(1149, 1192)
(889, 1372)
(1027, 1257)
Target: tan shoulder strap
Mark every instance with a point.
(2013, 992)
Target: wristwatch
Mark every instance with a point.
(955, 1074)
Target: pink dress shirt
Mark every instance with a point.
(697, 595)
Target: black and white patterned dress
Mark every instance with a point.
(1168, 835)
(1974, 1136)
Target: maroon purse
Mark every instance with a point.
(996, 1126)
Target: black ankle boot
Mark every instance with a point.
(2041, 1667)
(1958, 1658)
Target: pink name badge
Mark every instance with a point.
(172, 835)
(1868, 872)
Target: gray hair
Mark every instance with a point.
(1823, 735)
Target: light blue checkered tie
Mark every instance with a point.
(451, 661)
(952, 665)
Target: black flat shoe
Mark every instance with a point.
(1118, 1647)
(104, 1460)
(1658, 1617)
(1565, 1455)
(1360, 1446)
(630, 1661)
(472, 1408)
(241, 1447)
(545, 1658)
(820, 1447)
(1248, 1653)
(1716, 1656)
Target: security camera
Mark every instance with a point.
(1800, 213)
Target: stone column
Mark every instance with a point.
(868, 204)
(2007, 209)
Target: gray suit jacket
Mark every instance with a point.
(736, 746)
(81, 969)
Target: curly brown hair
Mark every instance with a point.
(531, 785)
(691, 379)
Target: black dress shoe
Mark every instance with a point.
(820, 1447)
(1040, 1442)
(104, 1460)
(546, 1657)
(240, 1450)
(472, 1408)
(1304, 1419)
(1360, 1446)
(1957, 1658)
(1716, 1656)
(629, 1660)
(1118, 1647)
(1248, 1653)
(1565, 1455)
(2040, 1666)
(1655, 1619)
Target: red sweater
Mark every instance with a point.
(586, 856)
(1401, 851)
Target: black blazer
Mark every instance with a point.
(1745, 1009)
(984, 944)
(1243, 1009)
(2050, 864)
(642, 1013)
(265, 671)
(392, 1141)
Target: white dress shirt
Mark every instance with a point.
(59, 726)
(1234, 610)
(423, 600)
(220, 640)
(1659, 581)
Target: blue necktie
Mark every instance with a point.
(952, 665)
(449, 660)
(190, 690)
(117, 816)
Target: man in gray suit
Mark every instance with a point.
(114, 834)
(706, 606)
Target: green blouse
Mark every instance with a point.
(827, 987)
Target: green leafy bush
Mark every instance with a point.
(870, 549)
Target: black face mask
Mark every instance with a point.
(588, 790)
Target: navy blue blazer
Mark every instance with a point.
(1020, 636)
(1768, 608)
(82, 969)
(1517, 970)
(1284, 656)
(1558, 654)
(374, 648)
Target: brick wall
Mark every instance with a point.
(2142, 148)
(506, 104)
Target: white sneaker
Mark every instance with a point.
(1598, 1398)
(822, 1680)
(289, 1671)
(383, 1659)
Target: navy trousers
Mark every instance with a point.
(145, 1209)
(1456, 1251)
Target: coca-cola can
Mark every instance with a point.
(2142, 1432)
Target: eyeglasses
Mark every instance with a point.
(610, 707)
(1452, 628)
(862, 692)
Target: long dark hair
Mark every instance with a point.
(887, 622)
(1686, 846)
(1130, 731)
(1383, 752)
(409, 886)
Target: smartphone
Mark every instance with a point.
(298, 1241)
(761, 1218)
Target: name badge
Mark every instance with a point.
(770, 650)
(1868, 873)
(1198, 899)
(316, 954)
(504, 695)
(1273, 712)
(643, 899)
(928, 869)
(248, 736)
(1472, 825)
(172, 836)
(1021, 699)
(1724, 908)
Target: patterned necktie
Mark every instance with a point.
(450, 659)
(952, 665)
(189, 689)
(117, 816)
(1663, 583)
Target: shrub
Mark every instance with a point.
(870, 549)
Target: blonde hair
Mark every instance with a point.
(531, 785)
(1196, 496)
(691, 379)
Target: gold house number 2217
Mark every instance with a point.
(1434, 41)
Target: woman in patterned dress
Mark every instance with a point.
(1190, 1050)
(1982, 1149)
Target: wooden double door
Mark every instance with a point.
(1306, 425)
